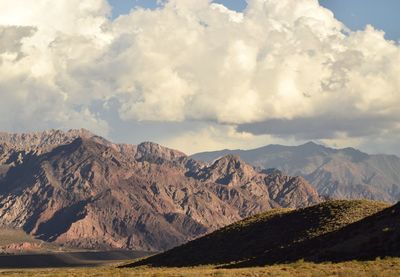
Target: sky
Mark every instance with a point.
(197, 75)
(355, 14)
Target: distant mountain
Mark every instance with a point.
(80, 190)
(336, 173)
(330, 231)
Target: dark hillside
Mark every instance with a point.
(267, 237)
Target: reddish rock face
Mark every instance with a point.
(20, 247)
(81, 190)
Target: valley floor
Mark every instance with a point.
(380, 267)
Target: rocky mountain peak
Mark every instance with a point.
(228, 170)
(312, 147)
(230, 163)
(311, 144)
(83, 133)
(155, 153)
(45, 139)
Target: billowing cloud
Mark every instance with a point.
(280, 67)
(277, 60)
(41, 42)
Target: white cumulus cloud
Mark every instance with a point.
(279, 60)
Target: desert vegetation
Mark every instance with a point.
(379, 267)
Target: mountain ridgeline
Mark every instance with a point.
(79, 190)
(334, 231)
(335, 173)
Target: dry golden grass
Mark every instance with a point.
(385, 267)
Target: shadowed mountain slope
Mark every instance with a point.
(336, 173)
(375, 236)
(80, 190)
(279, 235)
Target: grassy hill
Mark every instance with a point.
(375, 236)
(276, 236)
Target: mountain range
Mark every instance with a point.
(80, 190)
(335, 173)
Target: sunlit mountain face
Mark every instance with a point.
(79, 190)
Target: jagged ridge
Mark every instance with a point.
(336, 173)
(88, 192)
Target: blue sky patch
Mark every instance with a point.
(355, 14)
